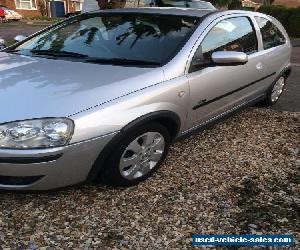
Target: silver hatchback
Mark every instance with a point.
(101, 96)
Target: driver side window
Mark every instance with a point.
(232, 34)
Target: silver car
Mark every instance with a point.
(101, 96)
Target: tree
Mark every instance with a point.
(113, 4)
(42, 5)
(268, 2)
(235, 4)
(231, 4)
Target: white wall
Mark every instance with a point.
(89, 5)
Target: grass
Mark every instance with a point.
(24, 25)
(44, 19)
(28, 22)
(10, 42)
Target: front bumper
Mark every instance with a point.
(44, 169)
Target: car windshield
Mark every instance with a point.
(113, 38)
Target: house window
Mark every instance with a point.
(78, 5)
(26, 4)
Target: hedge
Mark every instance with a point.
(289, 17)
(44, 18)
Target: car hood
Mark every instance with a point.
(35, 87)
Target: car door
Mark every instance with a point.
(276, 47)
(217, 89)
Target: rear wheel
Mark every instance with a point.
(275, 91)
(138, 155)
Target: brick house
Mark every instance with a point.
(25, 8)
(30, 8)
(288, 3)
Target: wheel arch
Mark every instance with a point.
(168, 119)
(287, 72)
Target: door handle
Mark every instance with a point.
(259, 66)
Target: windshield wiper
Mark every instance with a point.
(57, 53)
(122, 61)
(11, 50)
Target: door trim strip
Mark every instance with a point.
(201, 103)
(224, 114)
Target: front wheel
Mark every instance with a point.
(139, 154)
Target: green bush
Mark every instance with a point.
(293, 25)
(248, 8)
(44, 18)
(289, 17)
(235, 5)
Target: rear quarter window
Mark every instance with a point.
(271, 35)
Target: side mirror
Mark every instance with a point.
(2, 44)
(20, 38)
(229, 58)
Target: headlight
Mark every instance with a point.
(38, 133)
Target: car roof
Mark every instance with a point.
(161, 10)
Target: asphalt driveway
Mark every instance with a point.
(9, 34)
(10, 30)
(290, 99)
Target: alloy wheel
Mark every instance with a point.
(142, 155)
(277, 89)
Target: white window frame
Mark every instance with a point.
(26, 1)
(80, 2)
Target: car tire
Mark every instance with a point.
(275, 91)
(138, 155)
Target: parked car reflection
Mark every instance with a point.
(7, 14)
